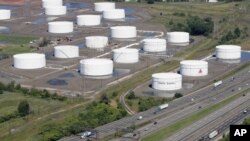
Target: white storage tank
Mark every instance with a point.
(55, 10)
(52, 3)
(194, 68)
(166, 81)
(113, 14)
(29, 61)
(5, 14)
(96, 42)
(101, 6)
(123, 32)
(88, 20)
(178, 37)
(66, 51)
(212, 1)
(126, 55)
(228, 52)
(96, 67)
(154, 45)
(61, 27)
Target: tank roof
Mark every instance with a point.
(122, 27)
(126, 50)
(228, 47)
(168, 75)
(193, 62)
(29, 55)
(96, 61)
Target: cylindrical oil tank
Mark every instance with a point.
(61, 27)
(66, 51)
(123, 32)
(228, 52)
(29, 61)
(194, 68)
(96, 42)
(96, 67)
(178, 37)
(52, 3)
(55, 10)
(212, 1)
(113, 14)
(5, 14)
(126, 55)
(154, 45)
(166, 81)
(88, 20)
(101, 6)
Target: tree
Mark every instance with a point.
(105, 99)
(199, 26)
(151, 1)
(23, 108)
(178, 95)
(131, 95)
(237, 32)
(1, 91)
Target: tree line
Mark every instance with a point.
(96, 114)
(44, 94)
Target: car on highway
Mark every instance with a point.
(140, 117)
(86, 134)
(245, 111)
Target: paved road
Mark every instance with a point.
(202, 126)
(166, 121)
(201, 98)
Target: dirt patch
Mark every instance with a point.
(12, 2)
(113, 103)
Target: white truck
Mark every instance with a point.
(163, 106)
(213, 134)
(218, 83)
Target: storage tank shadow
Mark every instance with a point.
(77, 5)
(4, 29)
(44, 20)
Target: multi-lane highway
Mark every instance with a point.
(205, 125)
(178, 108)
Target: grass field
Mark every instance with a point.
(18, 40)
(42, 113)
(15, 44)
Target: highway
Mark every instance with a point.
(203, 126)
(177, 108)
(181, 114)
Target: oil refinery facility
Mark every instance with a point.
(123, 71)
(103, 46)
